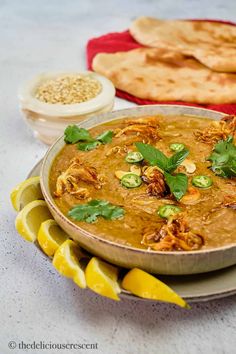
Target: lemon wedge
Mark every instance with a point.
(25, 192)
(147, 286)
(30, 218)
(66, 260)
(101, 277)
(51, 236)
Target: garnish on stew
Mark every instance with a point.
(155, 157)
(89, 212)
(177, 183)
(166, 211)
(202, 181)
(217, 130)
(134, 157)
(105, 137)
(223, 158)
(174, 235)
(155, 180)
(131, 180)
(88, 145)
(70, 180)
(177, 147)
(74, 134)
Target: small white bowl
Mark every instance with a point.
(48, 121)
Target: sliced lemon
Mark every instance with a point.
(147, 286)
(30, 218)
(25, 192)
(66, 260)
(51, 236)
(101, 277)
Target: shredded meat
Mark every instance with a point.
(229, 202)
(175, 235)
(153, 121)
(218, 130)
(68, 181)
(117, 150)
(145, 127)
(156, 182)
(141, 129)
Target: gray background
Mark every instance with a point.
(35, 302)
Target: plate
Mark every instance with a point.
(193, 288)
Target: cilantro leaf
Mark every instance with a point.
(92, 210)
(178, 184)
(105, 137)
(223, 158)
(152, 155)
(73, 134)
(175, 160)
(87, 146)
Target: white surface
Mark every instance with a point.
(35, 302)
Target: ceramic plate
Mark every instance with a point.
(193, 288)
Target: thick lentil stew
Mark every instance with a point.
(163, 183)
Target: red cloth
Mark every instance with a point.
(123, 41)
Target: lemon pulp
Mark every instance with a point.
(51, 236)
(147, 286)
(102, 277)
(29, 219)
(26, 192)
(66, 260)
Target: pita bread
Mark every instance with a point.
(164, 75)
(213, 44)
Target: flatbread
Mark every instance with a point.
(164, 75)
(212, 43)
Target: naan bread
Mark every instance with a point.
(213, 44)
(164, 75)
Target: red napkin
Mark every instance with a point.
(123, 41)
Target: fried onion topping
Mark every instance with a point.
(153, 121)
(155, 181)
(175, 235)
(68, 181)
(145, 127)
(218, 130)
(141, 129)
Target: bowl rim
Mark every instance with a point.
(50, 201)
(28, 100)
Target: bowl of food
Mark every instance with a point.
(150, 187)
(51, 101)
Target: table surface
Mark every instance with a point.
(36, 303)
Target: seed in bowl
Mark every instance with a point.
(68, 89)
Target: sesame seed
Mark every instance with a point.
(68, 89)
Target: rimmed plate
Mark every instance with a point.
(193, 288)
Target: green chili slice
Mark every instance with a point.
(177, 147)
(202, 181)
(165, 211)
(134, 157)
(131, 180)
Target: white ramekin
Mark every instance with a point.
(48, 121)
